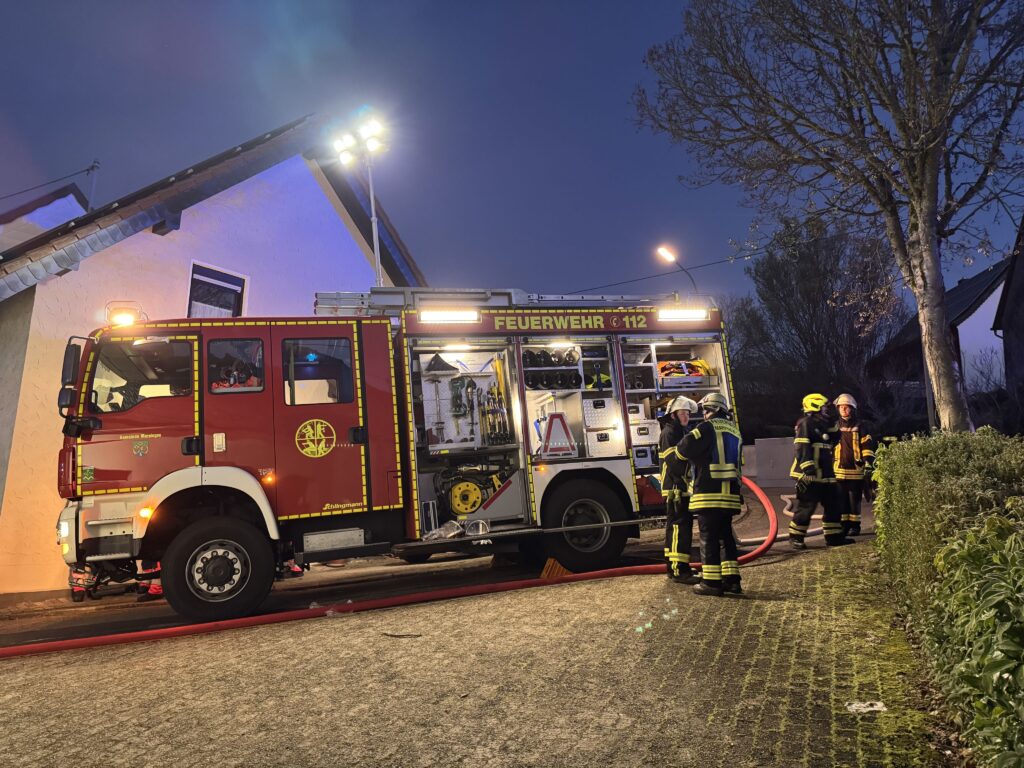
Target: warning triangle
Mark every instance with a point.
(557, 437)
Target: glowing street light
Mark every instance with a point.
(349, 149)
(669, 255)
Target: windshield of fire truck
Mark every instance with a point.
(129, 372)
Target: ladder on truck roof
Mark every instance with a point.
(391, 301)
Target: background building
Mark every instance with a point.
(256, 230)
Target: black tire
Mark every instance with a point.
(415, 558)
(218, 568)
(580, 502)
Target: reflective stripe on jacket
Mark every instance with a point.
(814, 448)
(715, 450)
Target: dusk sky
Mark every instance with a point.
(515, 159)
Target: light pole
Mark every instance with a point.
(666, 253)
(368, 144)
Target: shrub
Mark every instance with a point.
(950, 519)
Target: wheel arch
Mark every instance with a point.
(595, 475)
(183, 496)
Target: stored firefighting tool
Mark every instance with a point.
(471, 406)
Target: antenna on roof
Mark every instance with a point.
(92, 172)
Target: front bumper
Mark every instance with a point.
(90, 532)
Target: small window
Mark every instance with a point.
(129, 372)
(317, 371)
(213, 293)
(235, 365)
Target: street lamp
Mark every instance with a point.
(368, 143)
(666, 253)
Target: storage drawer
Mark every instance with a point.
(645, 456)
(606, 442)
(646, 432)
(601, 413)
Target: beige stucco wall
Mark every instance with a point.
(278, 228)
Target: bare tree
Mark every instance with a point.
(824, 304)
(902, 111)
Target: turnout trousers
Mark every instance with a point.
(719, 556)
(827, 495)
(678, 533)
(850, 494)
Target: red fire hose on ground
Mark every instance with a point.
(372, 605)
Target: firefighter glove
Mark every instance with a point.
(803, 484)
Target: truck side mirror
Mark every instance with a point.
(65, 399)
(69, 370)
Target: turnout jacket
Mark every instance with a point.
(855, 451)
(814, 443)
(715, 451)
(674, 469)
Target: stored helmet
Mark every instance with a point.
(845, 399)
(814, 402)
(681, 404)
(714, 402)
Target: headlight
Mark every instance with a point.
(65, 529)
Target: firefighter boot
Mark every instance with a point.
(707, 589)
(686, 576)
(155, 592)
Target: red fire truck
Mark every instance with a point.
(409, 421)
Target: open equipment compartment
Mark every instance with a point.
(468, 443)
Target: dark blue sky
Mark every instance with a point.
(514, 155)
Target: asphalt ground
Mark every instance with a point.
(809, 669)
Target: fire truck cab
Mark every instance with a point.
(409, 421)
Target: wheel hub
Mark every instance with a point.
(216, 569)
(586, 512)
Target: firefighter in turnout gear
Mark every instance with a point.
(715, 452)
(854, 462)
(815, 475)
(675, 488)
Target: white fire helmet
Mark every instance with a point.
(681, 404)
(845, 399)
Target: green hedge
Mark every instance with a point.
(950, 522)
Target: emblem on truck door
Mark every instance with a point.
(315, 438)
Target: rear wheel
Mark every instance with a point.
(218, 568)
(578, 503)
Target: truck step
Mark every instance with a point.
(109, 556)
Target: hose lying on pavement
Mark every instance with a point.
(187, 630)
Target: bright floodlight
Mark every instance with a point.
(666, 254)
(668, 314)
(346, 157)
(370, 129)
(122, 318)
(373, 144)
(449, 316)
(345, 142)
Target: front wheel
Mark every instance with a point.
(218, 568)
(583, 503)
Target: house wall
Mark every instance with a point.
(278, 228)
(980, 347)
(1013, 333)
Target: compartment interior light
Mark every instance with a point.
(682, 313)
(449, 316)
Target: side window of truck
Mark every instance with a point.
(128, 372)
(317, 371)
(235, 365)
